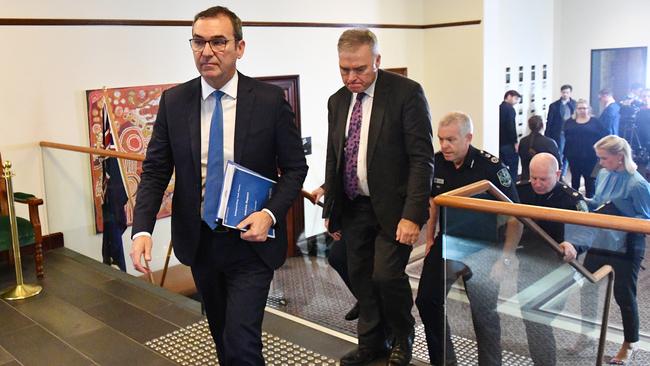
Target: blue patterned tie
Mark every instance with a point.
(214, 176)
(351, 180)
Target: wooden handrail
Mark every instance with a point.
(93, 150)
(458, 199)
(131, 156)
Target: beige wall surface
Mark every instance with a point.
(515, 33)
(584, 25)
(46, 71)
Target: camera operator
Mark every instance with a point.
(629, 129)
(642, 127)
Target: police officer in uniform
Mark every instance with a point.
(536, 259)
(457, 164)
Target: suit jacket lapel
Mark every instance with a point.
(377, 115)
(194, 124)
(342, 121)
(245, 105)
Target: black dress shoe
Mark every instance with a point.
(362, 356)
(401, 353)
(353, 313)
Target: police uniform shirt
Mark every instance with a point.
(478, 165)
(561, 196)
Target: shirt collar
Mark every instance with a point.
(468, 163)
(370, 91)
(230, 88)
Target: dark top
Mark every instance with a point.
(643, 127)
(561, 196)
(507, 127)
(533, 144)
(609, 118)
(580, 139)
(555, 122)
(478, 165)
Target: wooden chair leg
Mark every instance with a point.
(38, 240)
(38, 259)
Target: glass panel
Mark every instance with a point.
(531, 307)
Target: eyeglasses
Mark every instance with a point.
(216, 45)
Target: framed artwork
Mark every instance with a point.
(131, 113)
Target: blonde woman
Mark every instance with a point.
(620, 185)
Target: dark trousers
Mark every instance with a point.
(439, 275)
(338, 260)
(376, 264)
(563, 160)
(535, 262)
(508, 156)
(583, 167)
(234, 284)
(626, 267)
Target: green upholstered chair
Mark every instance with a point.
(29, 231)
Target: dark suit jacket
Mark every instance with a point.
(554, 121)
(610, 118)
(534, 143)
(507, 124)
(265, 139)
(400, 153)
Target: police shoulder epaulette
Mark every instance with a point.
(488, 156)
(570, 191)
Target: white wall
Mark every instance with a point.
(515, 33)
(583, 25)
(454, 70)
(453, 60)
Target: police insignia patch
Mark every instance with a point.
(504, 177)
(582, 206)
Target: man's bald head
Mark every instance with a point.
(544, 173)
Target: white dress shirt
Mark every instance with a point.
(362, 161)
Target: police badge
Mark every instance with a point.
(504, 177)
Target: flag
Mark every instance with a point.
(115, 198)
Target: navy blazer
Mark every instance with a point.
(400, 153)
(266, 140)
(554, 121)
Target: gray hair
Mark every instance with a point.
(356, 37)
(461, 119)
(615, 145)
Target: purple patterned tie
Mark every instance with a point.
(351, 181)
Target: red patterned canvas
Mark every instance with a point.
(132, 111)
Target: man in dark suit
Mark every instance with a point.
(610, 112)
(558, 113)
(223, 115)
(378, 175)
(508, 139)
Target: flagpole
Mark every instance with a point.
(120, 163)
(113, 128)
